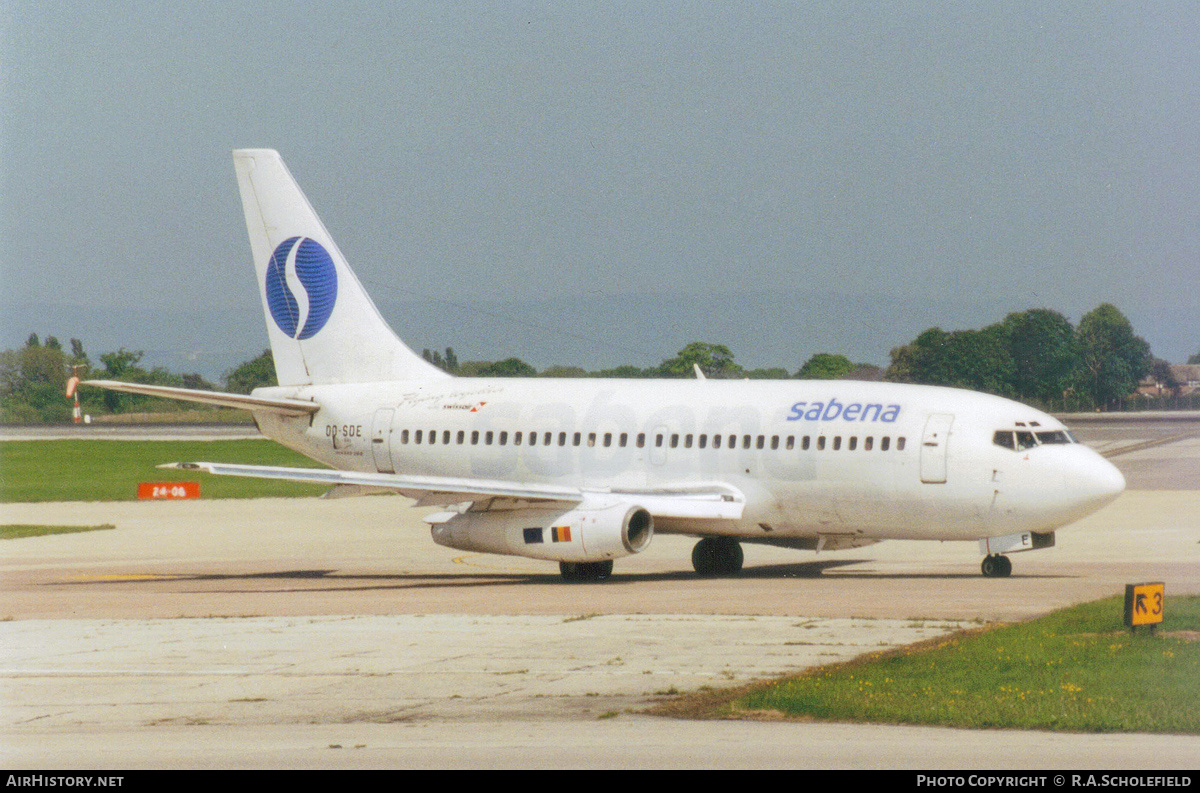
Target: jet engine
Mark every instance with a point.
(594, 530)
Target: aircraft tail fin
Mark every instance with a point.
(322, 324)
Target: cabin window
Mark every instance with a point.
(868, 443)
(658, 441)
(548, 439)
(687, 441)
(516, 439)
(446, 437)
(745, 441)
(837, 442)
(462, 434)
(820, 443)
(900, 444)
(624, 439)
(804, 443)
(533, 439)
(607, 439)
(503, 438)
(487, 438)
(562, 439)
(716, 441)
(791, 442)
(703, 441)
(576, 438)
(884, 442)
(474, 437)
(641, 440)
(674, 440)
(774, 441)
(591, 439)
(853, 444)
(417, 436)
(404, 436)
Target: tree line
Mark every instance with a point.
(33, 381)
(1035, 356)
(715, 361)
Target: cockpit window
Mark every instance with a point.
(1020, 440)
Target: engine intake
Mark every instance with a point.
(595, 530)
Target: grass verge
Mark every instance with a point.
(104, 470)
(15, 531)
(1076, 670)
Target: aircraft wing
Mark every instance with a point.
(703, 500)
(286, 407)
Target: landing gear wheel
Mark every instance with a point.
(996, 567)
(717, 556)
(585, 571)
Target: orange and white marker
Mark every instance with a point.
(72, 386)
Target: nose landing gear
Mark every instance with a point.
(996, 566)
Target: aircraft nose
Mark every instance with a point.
(1096, 480)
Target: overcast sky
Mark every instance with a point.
(1005, 155)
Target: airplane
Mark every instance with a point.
(585, 471)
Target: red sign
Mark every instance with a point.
(168, 490)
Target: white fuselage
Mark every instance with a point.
(845, 461)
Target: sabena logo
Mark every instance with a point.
(833, 409)
(301, 287)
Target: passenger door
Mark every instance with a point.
(934, 447)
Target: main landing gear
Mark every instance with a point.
(996, 566)
(717, 556)
(585, 571)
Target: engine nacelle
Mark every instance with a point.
(595, 530)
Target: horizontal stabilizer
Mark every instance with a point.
(285, 407)
(699, 501)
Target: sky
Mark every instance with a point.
(601, 183)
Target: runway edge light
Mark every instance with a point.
(1144, 605)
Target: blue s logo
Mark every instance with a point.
(301, 262)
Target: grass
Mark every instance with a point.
(15, 531)
(104, 470)
(1076, 670)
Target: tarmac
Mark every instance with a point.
(301, 633)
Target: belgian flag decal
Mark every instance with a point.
(560, 533)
